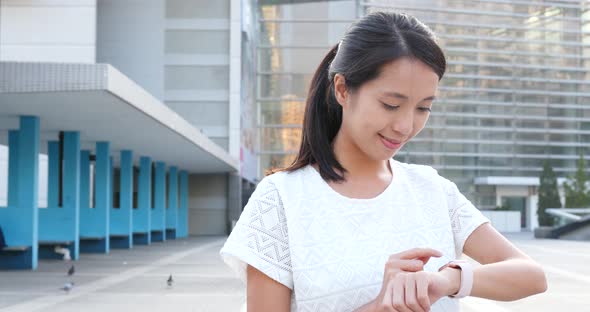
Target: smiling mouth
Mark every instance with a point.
(390, 140)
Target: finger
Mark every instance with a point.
(419, 253)
(414, 265)
(399, 300)
(410, 292)
(425, 260)
(386, 304)
(422, 292)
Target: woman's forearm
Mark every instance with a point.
(508, 280)
(502, 281)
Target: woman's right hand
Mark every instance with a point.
(412, 260)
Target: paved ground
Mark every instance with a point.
(129, 280)
(135, 280)
(568, 276)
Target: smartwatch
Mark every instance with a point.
(466, 277)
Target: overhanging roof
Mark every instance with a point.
(104, 105)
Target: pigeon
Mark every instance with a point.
(71, 271)
(67, 287)
(170, 281)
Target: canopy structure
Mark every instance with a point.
(78, 114)
(104, 105)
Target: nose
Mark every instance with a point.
(403, 124)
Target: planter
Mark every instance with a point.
(505, 221)
(544, 232)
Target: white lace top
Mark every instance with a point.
(331, 249)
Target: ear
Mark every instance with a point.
(340, 90)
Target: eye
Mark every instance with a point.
(425, 109)
(390, 107)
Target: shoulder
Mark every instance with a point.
(424, 175)
(415, 169)
(418, 172)
(287, 179)
(284, 183)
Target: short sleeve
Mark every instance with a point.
(465, 217)
(260, 237)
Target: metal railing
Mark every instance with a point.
(569, 214)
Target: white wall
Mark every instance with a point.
(202, 54)
(198, 43)
(43, 173)
(48, 30)
(130, 36)
(504, 221)
(44, 31)
(235, 78)
(3, 175)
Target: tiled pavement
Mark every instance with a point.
(135, 280)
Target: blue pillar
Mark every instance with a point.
(94, 222)
(142, 215)
(103, 191)
(13, 166)
(159, 211)
(122, 218)
(19, 221)
(183, 209)
(172, 211)
(60, 226)
(85, 212)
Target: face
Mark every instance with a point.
(386, 112)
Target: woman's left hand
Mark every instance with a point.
(417, 291)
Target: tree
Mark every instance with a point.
(576, 189)
(548, 195)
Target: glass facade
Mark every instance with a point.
(516, 91)
(293, 39)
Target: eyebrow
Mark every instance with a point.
(403, 97)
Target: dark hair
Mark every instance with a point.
(372, 41)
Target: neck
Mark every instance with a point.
(357, 163)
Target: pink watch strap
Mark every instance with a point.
(466, 277)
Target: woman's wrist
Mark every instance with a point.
(453, 275)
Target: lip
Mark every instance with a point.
(390, 140)
(389, 143)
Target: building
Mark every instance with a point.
(212, 93)
(124, 116)
(516, 92)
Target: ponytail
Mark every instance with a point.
(322, 120)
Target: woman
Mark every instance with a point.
(346, 227)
